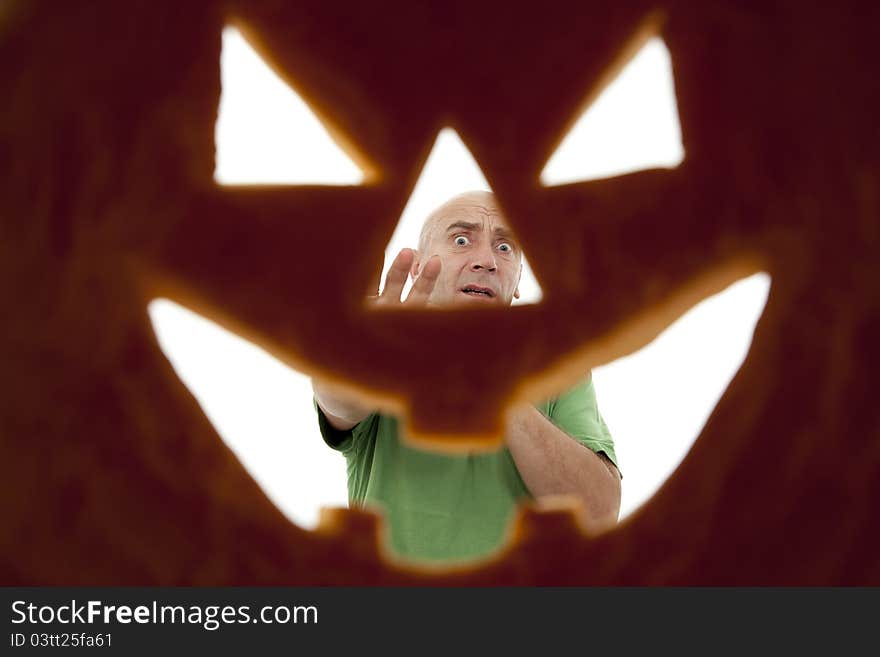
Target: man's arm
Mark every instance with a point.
(342, 412)
(553, 463)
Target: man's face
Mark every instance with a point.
(481, 261)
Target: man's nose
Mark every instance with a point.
(484, 258)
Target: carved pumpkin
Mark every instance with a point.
(112, 475)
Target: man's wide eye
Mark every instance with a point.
(461, 240)
(504, 246)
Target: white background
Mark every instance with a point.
(654, 401)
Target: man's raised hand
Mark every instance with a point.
(396, 278)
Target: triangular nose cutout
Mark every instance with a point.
(265, 133)
(632, 125)
(450, 170)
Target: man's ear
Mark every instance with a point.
(516, 292)
(416, 265)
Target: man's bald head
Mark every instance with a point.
(473, 202)
(482, 262)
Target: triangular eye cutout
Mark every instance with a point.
(632, 125)
(265, 133)
(450, 170)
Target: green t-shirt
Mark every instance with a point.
(450, 507)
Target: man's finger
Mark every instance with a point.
(396, 277)
(424, 284)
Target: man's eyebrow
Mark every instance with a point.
(462, 225)
(504, 233)
(500, 231)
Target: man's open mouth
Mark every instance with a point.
(477, 291)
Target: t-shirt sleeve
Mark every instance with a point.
(338, 439)
(577, 413)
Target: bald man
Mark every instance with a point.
(454, 507)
